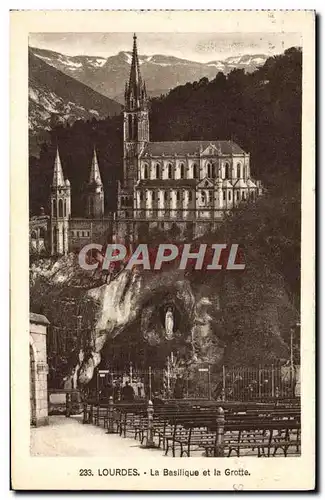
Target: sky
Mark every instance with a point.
(201, 47)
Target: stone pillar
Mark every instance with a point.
(39, 368)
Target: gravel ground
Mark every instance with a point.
(68, 437)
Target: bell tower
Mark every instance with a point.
(135, 137)
(136, 120)
(60, 210)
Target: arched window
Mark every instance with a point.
(146, 171)
(203, 197)
(224, 195)
(243, 196)
(157, 171)
(238, 170)
(182, 170)
(229, 195)
(195, 171)
(60, 208)
(153, 197)
(190, 195)
(245, 172)
(34, 235)
(227, 171)
(165, 196)
(169, 171)
(209, 168)
(141, 196)
(130, 127)
(54, 214)
(178, 196)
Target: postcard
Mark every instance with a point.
(162, 250)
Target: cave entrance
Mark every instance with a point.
(131, 349)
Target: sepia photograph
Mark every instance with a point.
(165, 237)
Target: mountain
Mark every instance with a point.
(161, 73)
(55, 97)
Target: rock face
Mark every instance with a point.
(204, 328)
(55, 97)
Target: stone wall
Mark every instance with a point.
(38, 369)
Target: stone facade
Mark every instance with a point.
(38, 369)
(188, 183)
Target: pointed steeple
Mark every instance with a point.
(58, 179)
(135, 91)
(95, 177)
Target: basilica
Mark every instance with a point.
(189, 185)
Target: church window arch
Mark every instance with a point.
(130, 127)
(224, 195)
(54, 208)
(178, 196)
(182, 170)
(243, 195)
(169, 171)
(146, 171)
(165, 196)
(245, 172)
(203, 197)
(209, 170)
(60, 207)
(157, 171)
(190, 196)
(195, 171)
(229, 195)
(153, 196)
(238, 170)
(227, 171)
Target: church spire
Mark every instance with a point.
(95, 177)
(58, 179)
(135, 91)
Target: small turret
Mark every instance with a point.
(58, 179)
(95, 198)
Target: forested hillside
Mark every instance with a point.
(261, 111)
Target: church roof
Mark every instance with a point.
(164, 183)
(169, 148)
(240, 184)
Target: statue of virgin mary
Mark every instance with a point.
(169, 322)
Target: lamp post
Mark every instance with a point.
(292, 367)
